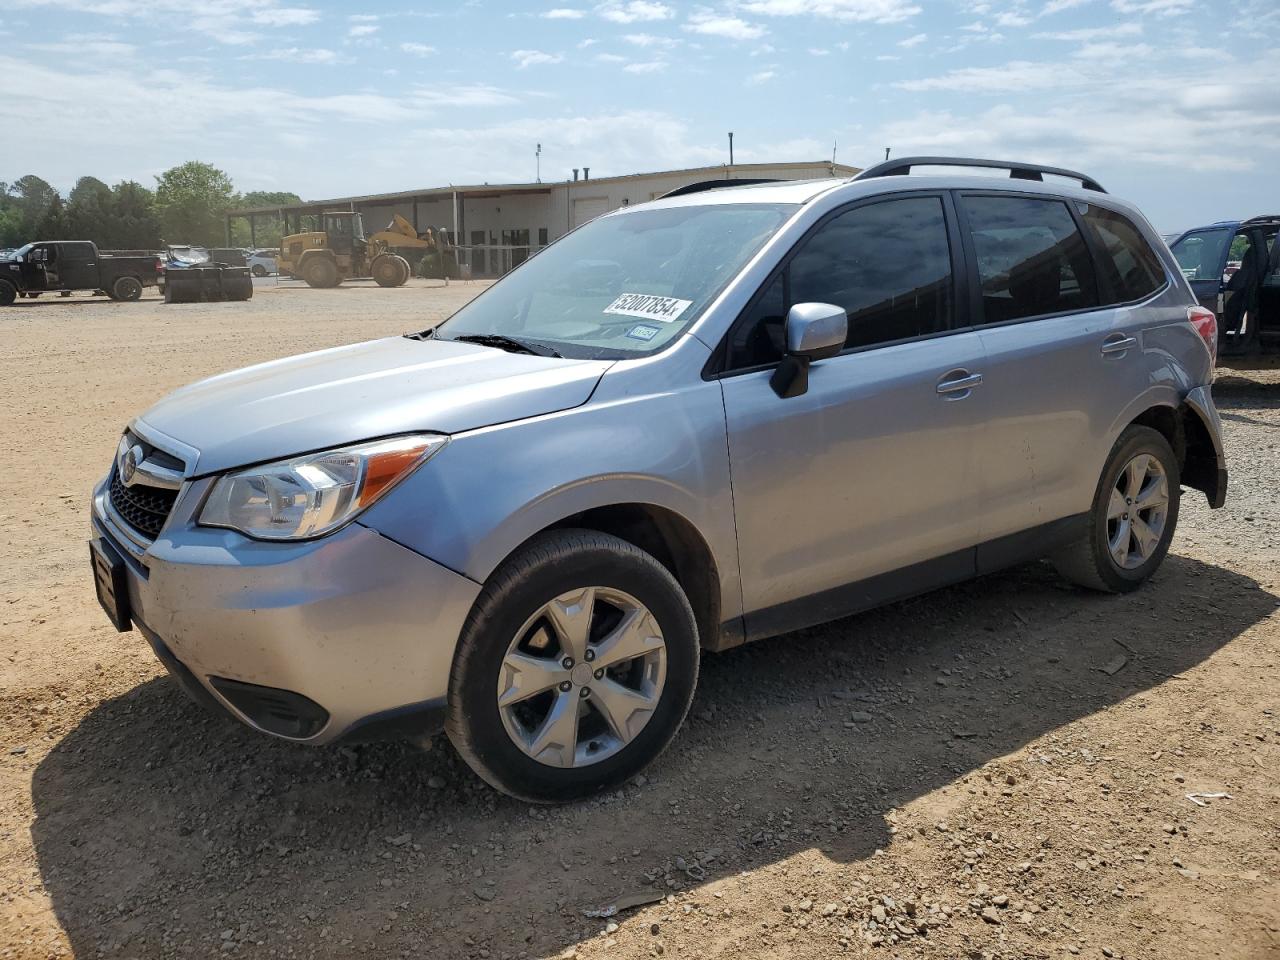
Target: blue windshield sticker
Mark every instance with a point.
(642, 331)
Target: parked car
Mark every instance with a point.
(69, 265)
(1233, 267)
(703, 420)
(262, 263)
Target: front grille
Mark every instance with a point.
(143, 508)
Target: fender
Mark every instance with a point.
(1213, 478)
(491, 489)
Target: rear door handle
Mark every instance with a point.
(959, 384)
(1118, 344)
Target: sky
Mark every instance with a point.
(1173, 104)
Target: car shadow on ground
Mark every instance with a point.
(162, 830)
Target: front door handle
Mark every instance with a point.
(957, 384)
(1118, 344)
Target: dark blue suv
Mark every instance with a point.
(1233, 267)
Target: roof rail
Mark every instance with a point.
(1264, 218)
(1017, 171)
(702, 185)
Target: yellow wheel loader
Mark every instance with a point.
(340, 251)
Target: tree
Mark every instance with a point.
(135, 224)
(52, 224)
(268, 228)
(191, 200)
(89, 212)
(26, 204)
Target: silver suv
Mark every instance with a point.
(720, 416)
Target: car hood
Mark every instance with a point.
(367, 390)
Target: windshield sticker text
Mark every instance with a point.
(648, 307)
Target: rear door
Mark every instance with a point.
(78, 266)
(1064, 349)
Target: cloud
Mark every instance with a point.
(587, 42)
(79, 45)
(1084, 34)
(530, 58)
(1171, 8)
(819, 52)
(299, 55)
(563, 13)
(1011, 18)
(221, 20)
(634, 11)
(650, 66)
(913, 41)
(473, 95)
(364, 17)
(764, 76)
(1012, 77)
(718, 25)
(857, 11)
(363, 30)
(609, 58)
(651, 40)
(1057, 6)
(417, 49)
(1107, 51)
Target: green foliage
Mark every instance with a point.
(268, 228)
(188, 206)
(191, 201)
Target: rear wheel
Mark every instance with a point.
(1134, 514)
(259, 270)
(320, 272)
(575, 668)
(8, 293)
(126, 288)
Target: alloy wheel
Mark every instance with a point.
(1137, 512)
(582, 677)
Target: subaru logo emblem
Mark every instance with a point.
(129, 465)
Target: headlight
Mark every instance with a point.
(315, 494)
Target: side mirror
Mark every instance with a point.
(813, 331)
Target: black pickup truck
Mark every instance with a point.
(68, 265)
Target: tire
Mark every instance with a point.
(1113, 523)
(321, 273)
(259, 270)
(8, 293)
(507, 620)
(389, 270)
(127, 289)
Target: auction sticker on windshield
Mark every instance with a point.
(649, 307)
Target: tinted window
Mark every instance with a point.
(77, 251)
(1200, 254)
(1130, 268)
(1032, 260)
(888, 264)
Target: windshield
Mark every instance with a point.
(1199, 254)
(21, 251)
(622, 285)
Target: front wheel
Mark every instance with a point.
(390, 270)
(320, 272)
(8, 293)
(1134, 513)
(575, 668)
(259, 270)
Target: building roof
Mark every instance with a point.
(490, 189)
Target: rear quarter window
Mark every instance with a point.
(1130, 269)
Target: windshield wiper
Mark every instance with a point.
(426, 334)
(510, 344)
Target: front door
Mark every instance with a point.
(872, 471)
(1202, 257)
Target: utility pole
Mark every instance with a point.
(731, 148)
(537, 156)
(886, 153)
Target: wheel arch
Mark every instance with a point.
(1190, 430)
(671, 539)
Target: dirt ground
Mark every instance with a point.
(997, 770)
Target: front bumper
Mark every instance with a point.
(354, 623)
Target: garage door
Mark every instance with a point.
(588, 208)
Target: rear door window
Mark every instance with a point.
(77, 251)
(1032, 261)
(1130, 268)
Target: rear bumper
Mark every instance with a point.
(349, 635)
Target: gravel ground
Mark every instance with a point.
(997, 770)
